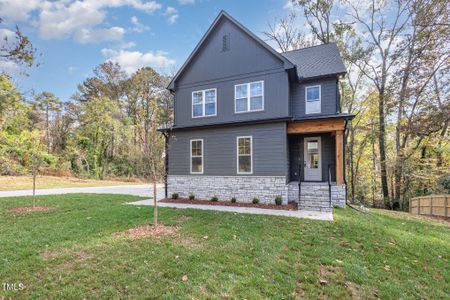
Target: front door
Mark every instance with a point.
(313, 159)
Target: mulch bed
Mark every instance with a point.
(148, 230)
(29, 209)
(290, 206)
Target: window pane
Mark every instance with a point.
(256, 103)
(256, 89)
(210, 109)
(244, 146)
(241, 91)
(313, 161)
(210, 96)
(198, 110)
(196, 148)
(313, 145)
(241, 104)
(312, 94)
(197, 165)
(197, 98)
(245, 163)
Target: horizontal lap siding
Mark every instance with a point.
(269, 150)
(328, 97)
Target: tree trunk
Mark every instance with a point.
(34, 187)
(382, 148)
(155, 205)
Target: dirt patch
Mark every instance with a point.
(290, 206)
(30, 209)
(147, 230)
(328, 273)
(182, 218)
(354, 290)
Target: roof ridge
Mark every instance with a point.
(332, 43)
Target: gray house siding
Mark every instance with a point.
(276, 95)
(296, 152)
(244, 56)
(329, 97)
(269, 150)
(245, 61)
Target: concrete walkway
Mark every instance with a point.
(314, 215)
(143, 190)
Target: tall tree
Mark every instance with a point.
(383, 22)
(48, 104)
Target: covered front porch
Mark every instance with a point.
(316, 163)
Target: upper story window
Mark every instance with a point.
(244, 155)
(197, 156)
(312, 99)
(204, 103)
(249, 97)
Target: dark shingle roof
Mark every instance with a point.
(317, 61)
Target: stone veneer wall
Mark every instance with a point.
(338, 193)
(243, 188)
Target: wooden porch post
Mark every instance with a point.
(339, 157)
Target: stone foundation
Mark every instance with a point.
(243, 188)
(318, 192)
(338, 195)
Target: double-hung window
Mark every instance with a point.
(249, 97)
(313, 101)
(204, 103)
(244, 155)
(197, 156)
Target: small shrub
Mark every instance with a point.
(278, 200)
(191, 196)
(175, 196)
(255, 200)
(214, 199)
(233, 200)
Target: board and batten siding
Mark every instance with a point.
(296, 155)
(220, 154)
(329, 97)
(244, 56)
(245, 61)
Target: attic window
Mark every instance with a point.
(226, 42)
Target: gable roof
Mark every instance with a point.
(223, 14)
(316, 61)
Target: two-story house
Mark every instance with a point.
(251, 122)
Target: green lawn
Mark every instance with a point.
(72, 252)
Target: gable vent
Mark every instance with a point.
(225, 42)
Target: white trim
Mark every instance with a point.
(305, 152)
(320, 99)
(251, 154)
(202, 156)
(204, 103)
(248, 97)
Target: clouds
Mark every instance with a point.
(131, 61)
(186, 2)
(172, 14)
(83, 20)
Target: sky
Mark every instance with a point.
(74, 36)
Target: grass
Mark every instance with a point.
(72, 252)
(47, 182)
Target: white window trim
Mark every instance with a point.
(248, 97)
(204, 103)
(251, 154)
(202, 156)
(320, 99)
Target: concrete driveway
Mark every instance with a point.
(144, 190)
